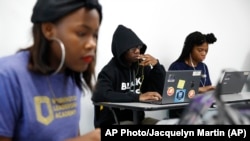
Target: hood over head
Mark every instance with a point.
(124, 39)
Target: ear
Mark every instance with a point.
(48, 30)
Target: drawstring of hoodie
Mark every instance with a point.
(130, 79)
(142, 74)
(134, 79)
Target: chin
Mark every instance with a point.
(81, 69)
(84, 68)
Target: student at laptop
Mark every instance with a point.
(130, 76)
(192, 56)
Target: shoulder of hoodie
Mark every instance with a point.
(111, 68)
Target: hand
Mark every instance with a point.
(150, 96)
(206, 88)
(147, 60)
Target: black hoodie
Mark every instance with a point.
(118, 82)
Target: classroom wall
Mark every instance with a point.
(164, 24)
(161, 24)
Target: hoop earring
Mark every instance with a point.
(62, 56)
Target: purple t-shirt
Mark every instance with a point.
(28, 111)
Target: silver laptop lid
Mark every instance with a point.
(180, 85)
(233, 81)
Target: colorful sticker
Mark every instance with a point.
(180, 95)
(170, 91)
(191, 94)
(181, 84)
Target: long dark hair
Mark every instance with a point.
(39, 63)
(195, 39)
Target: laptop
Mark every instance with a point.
(232, 82)
(200, 104)
(179, 87)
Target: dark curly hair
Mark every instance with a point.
(195, 39)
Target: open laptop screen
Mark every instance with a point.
(233, 81)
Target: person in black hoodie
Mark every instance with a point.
(130, 76)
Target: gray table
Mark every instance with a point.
(140, 106)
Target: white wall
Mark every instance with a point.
(164, 24)
(161, 24)
(15, 25)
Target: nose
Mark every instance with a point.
(91, 43)
(204, 53)
(137, 50)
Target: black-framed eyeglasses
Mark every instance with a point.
(135, 48)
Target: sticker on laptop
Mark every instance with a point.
(180, 95)
(170, 91)
(191, 94)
